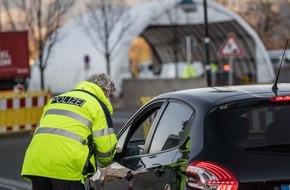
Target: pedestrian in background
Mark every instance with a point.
(74, 135)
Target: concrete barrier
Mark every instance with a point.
(138, 91)
(21, 111)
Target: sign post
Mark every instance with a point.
(231, 48)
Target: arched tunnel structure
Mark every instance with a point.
(165, 26)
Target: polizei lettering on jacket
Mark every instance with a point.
(68, 100)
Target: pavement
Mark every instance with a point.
(8, 184)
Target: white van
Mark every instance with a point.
(276, 57)
(167, 70)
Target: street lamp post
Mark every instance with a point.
(186, 6)
(206, 44)
(175, 43)
(189, 6)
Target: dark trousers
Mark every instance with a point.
(43, 183)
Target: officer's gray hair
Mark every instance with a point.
(104, 82)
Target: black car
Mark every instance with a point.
(215, 138)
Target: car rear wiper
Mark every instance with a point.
(280, 148)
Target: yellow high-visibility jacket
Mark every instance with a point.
(59, 147)
(189, 72)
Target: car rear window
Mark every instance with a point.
(254, 126)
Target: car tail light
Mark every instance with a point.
(205, 175)
(280, 99)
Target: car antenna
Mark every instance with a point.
(275, 87)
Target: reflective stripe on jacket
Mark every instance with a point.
(59, 147)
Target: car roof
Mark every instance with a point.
(224, 94)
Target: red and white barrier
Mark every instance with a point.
(21, 112)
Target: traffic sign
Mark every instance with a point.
(231, 47)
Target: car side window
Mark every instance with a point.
(138, 133)
(170, 127)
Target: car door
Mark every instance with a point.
(149, 145)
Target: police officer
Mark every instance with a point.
(75, 133)
(189, 71)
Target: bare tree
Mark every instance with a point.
(269, 21)
(42, 19)
(6, 9)
(269, 18)
(106, 17)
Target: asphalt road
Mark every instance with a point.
(13, 147)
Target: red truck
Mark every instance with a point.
(14, 59)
